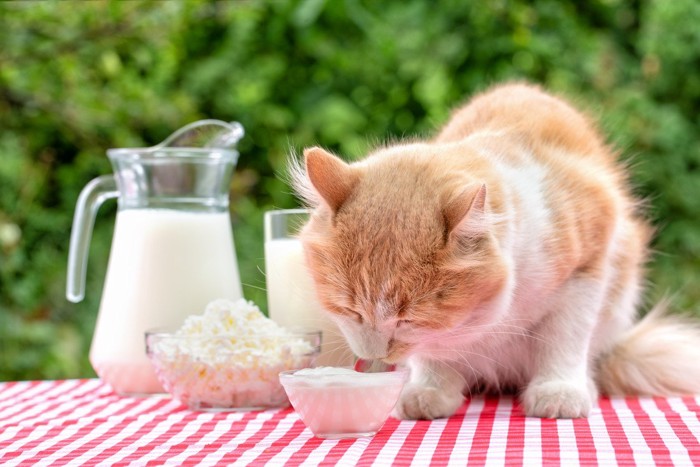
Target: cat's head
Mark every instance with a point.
(400, 248)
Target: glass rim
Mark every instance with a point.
(293, 211)
(277, 223)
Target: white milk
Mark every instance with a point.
(291, 299)
(164, 265)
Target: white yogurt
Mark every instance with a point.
(328, 371)
(342, 403)
(341, 376)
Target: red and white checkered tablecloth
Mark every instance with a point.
(81, 422)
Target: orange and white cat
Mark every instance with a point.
(506, 253)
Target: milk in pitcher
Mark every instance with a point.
(185, 259)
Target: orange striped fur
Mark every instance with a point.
(505, 253)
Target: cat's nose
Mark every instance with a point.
(370, 345)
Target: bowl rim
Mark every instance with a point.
(152, 336)
(402, 372)
(172, 332)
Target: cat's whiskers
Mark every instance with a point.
(438, 377)
(469, 333)
(471, 368)
(502, 328)
(461, 355)
(257, 287)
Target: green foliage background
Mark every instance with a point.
(77, 78)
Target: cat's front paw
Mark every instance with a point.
(426, 402)
(556, 399)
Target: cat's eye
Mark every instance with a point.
(404, 322)
(348, 313)
(358, 317)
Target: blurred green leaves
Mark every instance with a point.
(77, 78)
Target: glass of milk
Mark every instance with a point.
(291, 297)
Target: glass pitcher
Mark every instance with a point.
(172, 250)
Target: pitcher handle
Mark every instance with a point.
(91, 198)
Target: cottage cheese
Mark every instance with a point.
(228, 357)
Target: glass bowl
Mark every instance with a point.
(227, 372)
(339, 403)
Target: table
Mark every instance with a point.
(82, 422)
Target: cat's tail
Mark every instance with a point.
(658, 356)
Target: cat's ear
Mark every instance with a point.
(332, 178)
(464, 214)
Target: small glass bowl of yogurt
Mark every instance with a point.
(339, 402)
(219, 373)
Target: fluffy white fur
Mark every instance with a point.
(518, 195)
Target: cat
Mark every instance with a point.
(507, 253)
